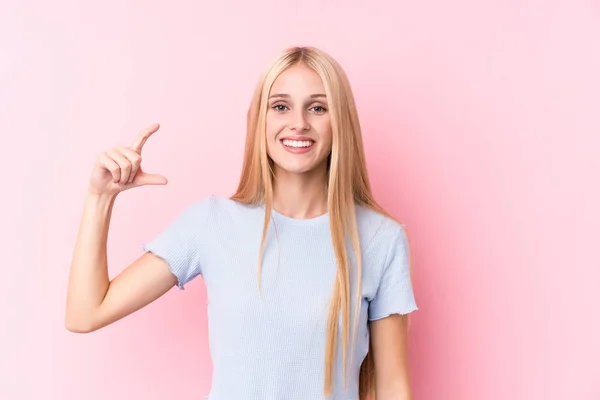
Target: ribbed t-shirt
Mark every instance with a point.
(269, 344)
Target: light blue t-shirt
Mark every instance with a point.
(270, 345)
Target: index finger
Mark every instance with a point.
(140, 140)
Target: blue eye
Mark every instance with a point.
(315, 109)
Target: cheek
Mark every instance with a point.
(273, 126)
(272, 129)
(325, 131)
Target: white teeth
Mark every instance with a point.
(297, 143)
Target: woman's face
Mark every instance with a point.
(298, 122)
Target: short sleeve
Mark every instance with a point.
(395, 292)
(182, 243)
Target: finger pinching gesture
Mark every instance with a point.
(119, 168)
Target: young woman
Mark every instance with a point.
(307, 277)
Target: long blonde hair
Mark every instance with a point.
(348, 185)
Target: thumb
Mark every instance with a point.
(143, 178)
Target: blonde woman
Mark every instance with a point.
(307, 277)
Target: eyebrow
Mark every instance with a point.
(287, 96)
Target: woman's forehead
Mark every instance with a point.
(298, 80)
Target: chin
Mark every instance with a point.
(295, 169)
(299, 167)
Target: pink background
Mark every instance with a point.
(482, 128)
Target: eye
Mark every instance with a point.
(319, 109)
(279, 107)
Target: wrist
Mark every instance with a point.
(100, 198)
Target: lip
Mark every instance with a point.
(298, 138)
(298, 150)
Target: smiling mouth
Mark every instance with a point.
(297, 144)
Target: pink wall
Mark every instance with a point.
(482, 127)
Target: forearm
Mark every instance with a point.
(401, 394)
(393, 389)
(88, 279)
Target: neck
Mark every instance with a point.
(300, 195)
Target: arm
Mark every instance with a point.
(92, 300)
(389, 314)
(390, 356)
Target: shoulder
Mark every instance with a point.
(378, 231)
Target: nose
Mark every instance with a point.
(299, 122)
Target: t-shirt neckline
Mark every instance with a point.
(298, 221)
